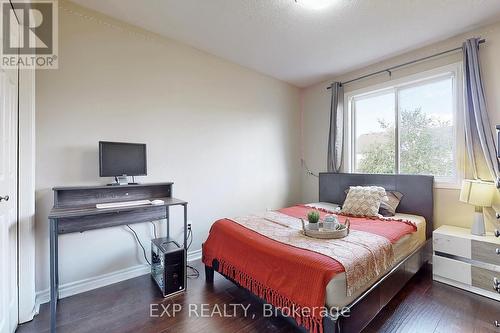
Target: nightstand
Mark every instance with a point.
(467, 261)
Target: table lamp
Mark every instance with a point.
(479, 194)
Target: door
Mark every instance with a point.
(8, 200)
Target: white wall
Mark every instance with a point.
(227, 136)
(316, 105)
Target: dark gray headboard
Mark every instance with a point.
(417, 191)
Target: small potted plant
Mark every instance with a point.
(313, 218)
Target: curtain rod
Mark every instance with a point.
(388, 70)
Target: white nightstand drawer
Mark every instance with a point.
(452, 269)
(486, 252)
(485, 279)
(451, 244)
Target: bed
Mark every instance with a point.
(364, 301)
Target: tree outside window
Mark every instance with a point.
(423, 142)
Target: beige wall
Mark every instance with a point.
(227, 136)
(316, 104)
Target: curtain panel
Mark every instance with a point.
(336, 132)
(479, 136)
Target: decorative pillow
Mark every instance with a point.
(363, 200)
(388, 208)
(331, 207)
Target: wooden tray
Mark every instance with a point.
(326, 233)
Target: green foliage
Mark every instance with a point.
(426, 147)
(379, 158)
(313, 216)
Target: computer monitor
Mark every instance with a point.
(122, 159)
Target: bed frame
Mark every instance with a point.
(417, 199)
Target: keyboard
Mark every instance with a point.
(123, 204)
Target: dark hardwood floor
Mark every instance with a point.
(422, 306)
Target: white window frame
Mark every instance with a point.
(455, 72)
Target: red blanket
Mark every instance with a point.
(285, 276)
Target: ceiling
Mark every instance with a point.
(296, 42)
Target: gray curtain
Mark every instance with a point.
(336, 134)
(479, 136)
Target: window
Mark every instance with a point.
(409, 127)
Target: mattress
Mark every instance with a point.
(336, 289)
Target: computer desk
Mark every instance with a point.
(75, 211)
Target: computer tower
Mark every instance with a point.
(168, 266)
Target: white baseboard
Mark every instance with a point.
(77, 287)
(194, 255)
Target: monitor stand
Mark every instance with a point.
(120, 180)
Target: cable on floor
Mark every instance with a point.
(195, 274)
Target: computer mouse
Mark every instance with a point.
(157, 202)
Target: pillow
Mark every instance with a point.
(389, 204)
(363, 200)
(331, 207)
(388, 208)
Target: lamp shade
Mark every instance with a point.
(477, 192)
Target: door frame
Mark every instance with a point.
(26, 196)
